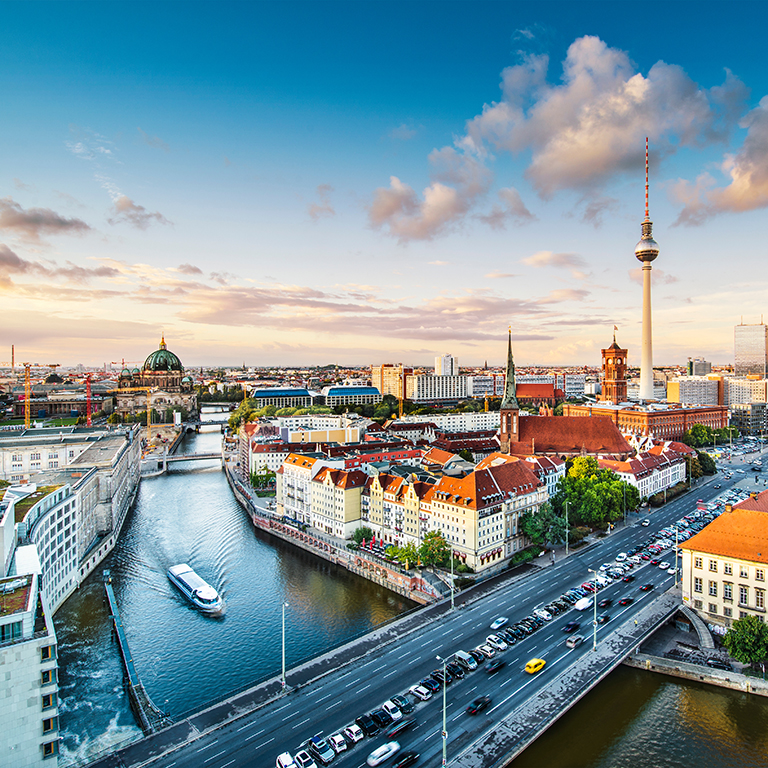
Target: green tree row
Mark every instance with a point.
(433, 550)
(699, 435)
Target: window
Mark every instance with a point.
(728, 612)
(697, 604)
(50, 748)
(727, 590)
(744, 571)
(759, 574)
(49, 700)
(743, 595)
(713, 565)
(728, 569)
(50, 724)
(10, 632)
(697, 562)
(697, 585)
(713, 607)
(713, 589)
(760, 598)
(47, 676)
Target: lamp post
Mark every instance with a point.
(282, 678)
(594, 620)
(677, 554)
(445, 732)
(453, 587)
(567, 529)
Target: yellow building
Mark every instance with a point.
(336, 501)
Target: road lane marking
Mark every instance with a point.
(352, 682)
(303, 722)
(213, 757)
(393, 672)
(264, 744)
(207, 746)
(254, 735)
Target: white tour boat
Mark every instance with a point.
(197, 591)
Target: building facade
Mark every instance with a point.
(750, 349)
(695, 390)
(390, 379)
(614, 373)
(422, 388)
(446, 365)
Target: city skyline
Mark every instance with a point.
(276, 185)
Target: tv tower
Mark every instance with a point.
(646, 251)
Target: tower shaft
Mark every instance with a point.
(646, 349)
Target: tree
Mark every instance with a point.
(361, 534)
(434, 549)
(706, 462)
(747, 640)
(407, 555)
(536, 525)
(697, 436)
(466, 454)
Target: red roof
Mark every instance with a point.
(569, 435)
(535, 391)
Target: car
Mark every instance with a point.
(574, 641)
(663, 565)
(487, 651)
(353, 733)
(500, 622)
(628, 578)
(478, 705)
(507, 635)
(303, 760)
(654, 561)
(321, 750)
(367, 724)
(404, 704)
(479, 656)
(456, 670)
(398, 728)
(543, 614)
(406, 759)
(496, 642)
(716, 485)
(605, 603)
(392, 710)
(603, 618)
(382, 753)
(621, 557)
(626, 601)
(431, 685)
(719, 664)
(445, 678)
(571, 626)
(285, 761)
(671, 571)
(382, 718)
(338, 743)
(534, 665)
(646, 587)
(645, 523)
(495, 666)
(420, 692)
(645, 556)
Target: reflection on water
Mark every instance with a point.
(637, 719)
(186, 659)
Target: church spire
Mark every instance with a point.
(510, 386)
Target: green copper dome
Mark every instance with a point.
(163, 360)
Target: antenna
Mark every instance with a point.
(646, 179)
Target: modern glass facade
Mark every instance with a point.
(750, 344)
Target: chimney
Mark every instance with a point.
(753, 495)
(729, 507)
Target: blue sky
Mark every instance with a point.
(298, 183)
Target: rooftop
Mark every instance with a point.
(741, 534)
(14, 595)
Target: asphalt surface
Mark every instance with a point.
(390, 665)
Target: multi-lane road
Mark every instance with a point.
(327, 705)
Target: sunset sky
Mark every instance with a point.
(367, 182)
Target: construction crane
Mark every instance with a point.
(28, 389)
(88, 420)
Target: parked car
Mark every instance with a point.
(404, 704)
(496, 642)
(353, 733)
(478, 705)
(455, 669)
(381, 717)
(285, 761)
(338, 743)
(304, 760)
(420, 692)
(367, 724)
(321, 750)
(446, 678)
(392, 710)
(431, 685)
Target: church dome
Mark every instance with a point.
(163, 360)
(125, 373)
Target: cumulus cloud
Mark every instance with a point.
(323, 207)
(512, 209)
(12, 264)
(458, 180)
(590, 126)
(403, 132)
(32, 223)
(153, 141)
(189, 269)
(658, 276)
(571, 261)
(128, 212)
(747, 170)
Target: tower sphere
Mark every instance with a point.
(647, 249)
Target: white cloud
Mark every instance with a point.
(512, 209)
(323, 208)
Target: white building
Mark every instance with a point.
(446, 365)
(738, 390)
(652, 472)
(693, 390)
(459, 422)
(428, 388)
(29, 706)
(486, 385)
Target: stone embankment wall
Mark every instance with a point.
(407, 584)
(733, 680)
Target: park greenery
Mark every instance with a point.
(747, 640)
(434, 550)
(699, 435)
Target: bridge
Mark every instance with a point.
(327, 693)
(191, 457)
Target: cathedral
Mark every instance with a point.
(161, 380)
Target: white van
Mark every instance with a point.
(583, 604)
(285, 761)
(465, 660)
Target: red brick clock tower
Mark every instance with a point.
(614, 373)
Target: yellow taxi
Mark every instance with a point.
(534, 665)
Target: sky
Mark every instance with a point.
(292, 183)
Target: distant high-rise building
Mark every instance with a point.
(446, 365)
(699, 367)
(646, 251)
(750, 347)
(390, 379)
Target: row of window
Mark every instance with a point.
(698, 562)
(698, 587)
(727, 610)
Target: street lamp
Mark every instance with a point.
(594, 621)
(453, 584)
(282, 679)
(445, 732)
(567, 529)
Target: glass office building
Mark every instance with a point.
(750, 344)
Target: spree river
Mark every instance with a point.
(186, 660)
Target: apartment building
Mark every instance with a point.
(421, 388)
(336, 503)
(390, 379)
(725, 564)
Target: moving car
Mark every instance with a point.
(603, 618)
(626, 601)
(478, 705)
(382, 753)
(645, 523)
(398, 728)
(500, 622)
(495, 666)
(534, 665)
(406, 759)
(571, 626)
(574, 641)
(605, 603)
(646, 587)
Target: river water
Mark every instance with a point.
(186, 660)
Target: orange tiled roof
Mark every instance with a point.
(758, 503)
(437, 456)
(741, 534)
(535, 390)
(569, 434)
